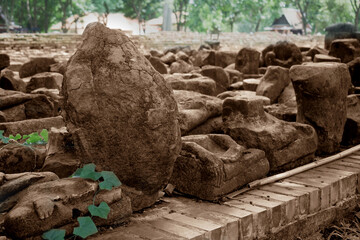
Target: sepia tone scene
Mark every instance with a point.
(180, 119)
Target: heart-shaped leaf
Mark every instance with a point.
(101, 211)
(2, 138)
(54, 234)
(87, 227)
(110, 180)
(17, 137)
(45, 135)
(87, 172)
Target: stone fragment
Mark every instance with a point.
(45, 80)
(325, 58)
(288, 96)
(195, 109)
(17, 158)
(31, 125)
(219, 75)
(120, 111)
(345, 49)
(316, 50)
(56, 204)
(59, 67)
(39, 107)
(351, 135)
(236, 86)
(273, 82)
(284, 54)
(234, 75)
(282, 111)
(182, 56)
(168, 58)
(61, 158)
(286, 145)
(210, 166)
(10, 80)
(12, 184)
(321, 90)
(4, 61)
(212, 125)
(251, 84)
(180, 66)
(204, 57)
(224, 58)
(158, 65)
(354, 68)
(200, 84)
(156, 53)
(247, 61)
(249, 94)
(36, 65)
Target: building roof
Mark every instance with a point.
(289, 20)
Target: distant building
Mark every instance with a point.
(12, 26)
(290, 21)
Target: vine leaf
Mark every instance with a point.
(45, 135)
(2, 138)
(87, 172)
(33, 138)
(101, 211)
(87, 227)
(110, 180)
(17, 137)
(54, 234)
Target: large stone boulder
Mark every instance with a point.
(195, 109)
(224, 58)
(321, 90)
(354, 68)
(210, 166)
(36, 65)
(273, 82)
(180, 66)
(120, 111)
(339, 31)
(351, 135)
(204, 57)
(158, 65)
(345, 49)
(286, 145)
(284, 54)
(247, 61)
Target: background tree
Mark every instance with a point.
(180, 8)
(104, 8)
(142, 10)
(355, 4)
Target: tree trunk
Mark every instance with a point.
(258, 25)
(357, 18)
(46, 16)
(29, 15)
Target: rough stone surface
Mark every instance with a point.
(180, 66)
(235, 75)
(168, 58)
(345, 49)
(288, 96)
(4, 61)
(195, 109)
(325, 58)
(283, 54)
(48, 205)
(10, 80)
(249, 94)
(210, 166)
(195, 83)
(224, 58)
(351, 133)
(59, 67)
(354, 69)
(17, 158)
(321, 90)
(120, 111)
(61, 158)
(247, 61)
(219, 75)
(204, 57)
(284, 143)
(36, 65)
(316, 50)
(45, 80)
(251, 84)
(273, 82)
(212, 125)
(158, 65)
(282, 111)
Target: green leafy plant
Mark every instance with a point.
(31, 139)
(107, 180)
